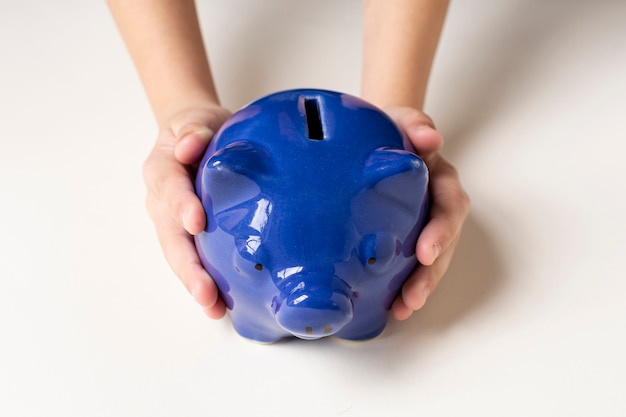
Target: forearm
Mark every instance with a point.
(400, 38)
(164, 40)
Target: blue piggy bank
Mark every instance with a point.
(314, 202)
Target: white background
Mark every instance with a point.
(529, 321)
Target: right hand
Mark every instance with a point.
(175, 209)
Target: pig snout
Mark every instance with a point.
(311, 307)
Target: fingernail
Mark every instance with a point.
(422, 128)
(204, 133)
(427, 132)
(436, 251)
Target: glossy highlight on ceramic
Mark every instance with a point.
(314, 203)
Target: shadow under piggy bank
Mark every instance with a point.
(314, 203)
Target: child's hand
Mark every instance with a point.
(178, 214)
(450, 206)
(175, 209)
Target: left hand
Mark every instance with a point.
(449, 209)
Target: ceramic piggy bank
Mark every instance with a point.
(314, 203)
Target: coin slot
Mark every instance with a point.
(315, 127)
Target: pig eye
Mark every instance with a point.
(377, 250)
(258, 267)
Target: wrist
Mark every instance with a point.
(399, 43)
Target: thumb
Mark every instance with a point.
(418, 127)
(192, 141)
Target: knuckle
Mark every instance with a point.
(149, 203)
(155, 177)
(149, 170)
(450, 169)
(461, 198)
(158, 185)
(154, 209)
(462, 204)
(177, 206)
(453, 190)
(466, 201)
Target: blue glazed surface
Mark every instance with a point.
(314, 202)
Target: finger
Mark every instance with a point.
(408, 116)
(193, 129)
(193, 141)
(424, 139)
(450, 206)
(420, 285)
(418, 127)
(399, 310)
(425, 279)
(180, 253)
(168, 180)
(216, 311)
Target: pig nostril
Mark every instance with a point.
(309, 315)
(371, 261)
(327, 329)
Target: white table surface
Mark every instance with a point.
(529, 321)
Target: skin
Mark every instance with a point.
(400, 39)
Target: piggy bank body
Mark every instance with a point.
(314, 203)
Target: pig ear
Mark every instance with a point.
(240, 157)
(232, 175)
(388, 162)
(398, 175)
